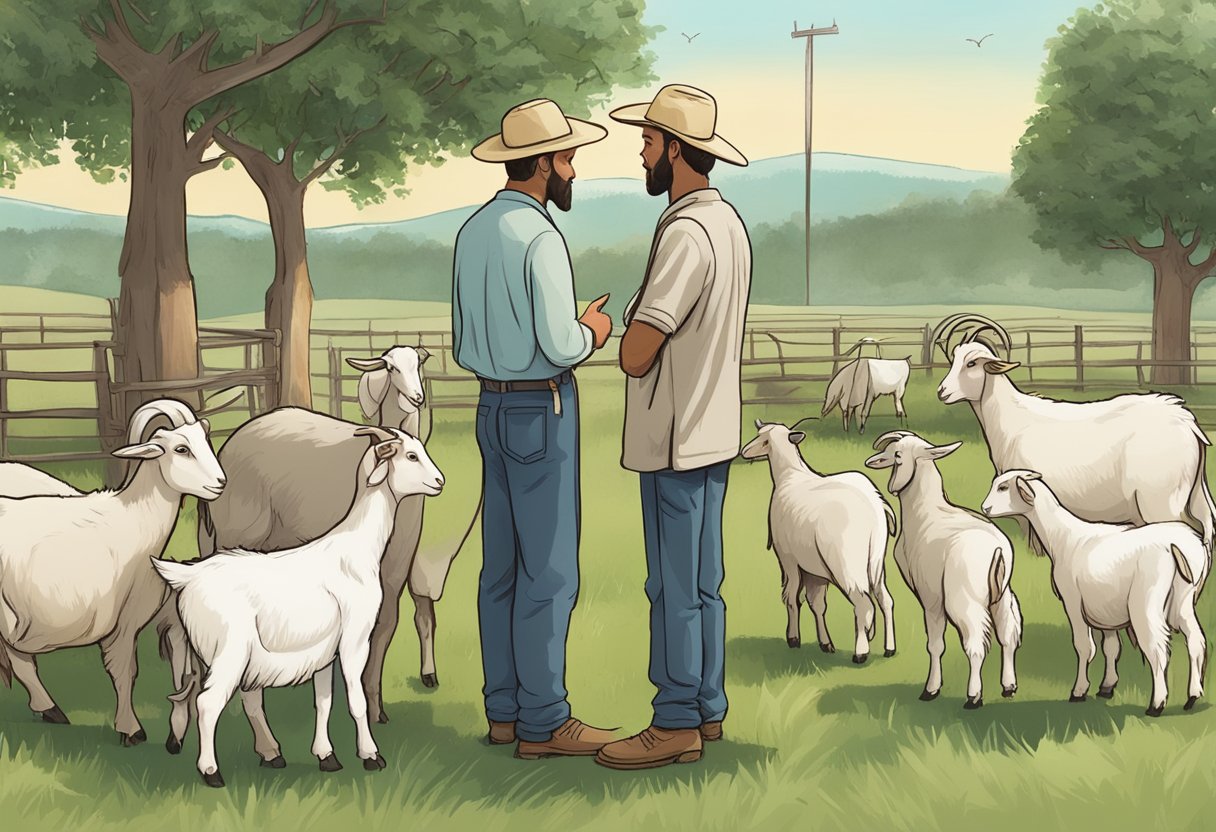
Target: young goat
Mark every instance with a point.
(275, 619)
(1114, 576)
(826, 529)
(957, 564)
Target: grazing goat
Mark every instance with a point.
(274, 619)
(826, 529)
(282, 493)
(1135, 458)
(1114, 576)
(74, 568)
(858, 384)
(957, 563)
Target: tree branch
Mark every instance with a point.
(1190, 247)
(115, 47)
(202, 138)
(345, 140)
(120, 17)
(1114, 245)
(447, 76)
(210, 164)
(197, 54)
(1204, 269)
(138, 13)
(172, 47)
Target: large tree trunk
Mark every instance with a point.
(1173, 291)
(289, 297)
(157, 324)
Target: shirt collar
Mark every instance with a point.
(690, 198)
(523, 199)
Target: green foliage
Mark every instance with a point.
(1126, 133)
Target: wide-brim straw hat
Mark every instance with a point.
(687, 113)
(536, 127)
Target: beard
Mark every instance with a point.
(560, 191)
(658, 178)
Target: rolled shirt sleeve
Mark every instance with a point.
(678, 275)
(561, 337)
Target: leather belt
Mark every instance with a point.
(529, 385)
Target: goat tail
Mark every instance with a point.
(1184, 568)
(892, 527)
(6, 667)
(1200, 505)
(834, 393)
(997, 578)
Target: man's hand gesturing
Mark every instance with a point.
(597, 321)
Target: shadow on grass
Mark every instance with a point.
(752, 660)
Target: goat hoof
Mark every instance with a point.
(430, 680)
(277, 762)
(860, 659)
(794, 642)
(173, 745)
(138, 737)
(1190, 703)
(828, 648)
(1072, 697)
(382, 718)
(925, 696)
(330, 763)
(374, 764)
(1009, 692)
(1157, 711)
(972, 704)
(886, 654)
(215, 780)
(54, 716)
(1107, 693)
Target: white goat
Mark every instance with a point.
(275, 619)
(826, 529)
(957, 564)
(1115, 576)
(1136, 458)
(858, 384)
(74, 568)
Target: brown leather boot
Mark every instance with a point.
(711, 731)
(573, 739)
(652, 748)
(501, 733)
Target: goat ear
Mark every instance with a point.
(423, 354)
(373, 387)
(759, 424)
(997, 367)
(148, 450)
(796, 437)
(939, 451)
(367, 364)
(880, 460)
(206, 425)
(1024, 489)
(378, 474)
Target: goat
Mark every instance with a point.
(858, 384)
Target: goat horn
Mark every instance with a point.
(178, 414)
(975, 324)
(379, 433)
(890, 436)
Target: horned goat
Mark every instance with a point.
(1135, 458)
(1113, 576)
(826, 529)
(957, 563)
(858, 384)
(275, 619)
(74, 567)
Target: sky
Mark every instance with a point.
(900, 81)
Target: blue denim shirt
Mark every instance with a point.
(513, 307)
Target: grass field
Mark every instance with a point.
(812, 740)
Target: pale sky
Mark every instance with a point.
(898, 81)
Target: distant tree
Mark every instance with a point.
(1121, 155)
(118, 80)
(360, 111)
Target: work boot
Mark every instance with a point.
(501, 733)
(572, 739)
(652, 748)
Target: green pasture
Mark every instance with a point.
(812, 740)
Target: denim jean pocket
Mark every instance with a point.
(525, 432)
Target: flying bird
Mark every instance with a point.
(981, 40)
(690, 37)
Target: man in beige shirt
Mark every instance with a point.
(682, 352)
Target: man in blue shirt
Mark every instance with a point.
(514, 325)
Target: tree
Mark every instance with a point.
(1121, 155)
(358, 112)
(68, 76)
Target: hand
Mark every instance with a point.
(597, 321)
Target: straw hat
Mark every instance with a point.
(687, 113)
(535, 127)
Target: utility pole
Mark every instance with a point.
(810, 34)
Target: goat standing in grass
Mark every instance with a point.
(826, 529)
(275, 619)
(858, 384)
(1115, 576)
(957, 563)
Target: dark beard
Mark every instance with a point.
(559, 191)
(658, 178)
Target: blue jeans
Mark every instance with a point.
(682, 518)
(529, 574)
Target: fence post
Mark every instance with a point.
(1192, 373)
(1139, 365)
(107, 423)
(835, 351)
(1078, 337)
(926, 349)
(335, 381)
(3, 404)
(1029, 363)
